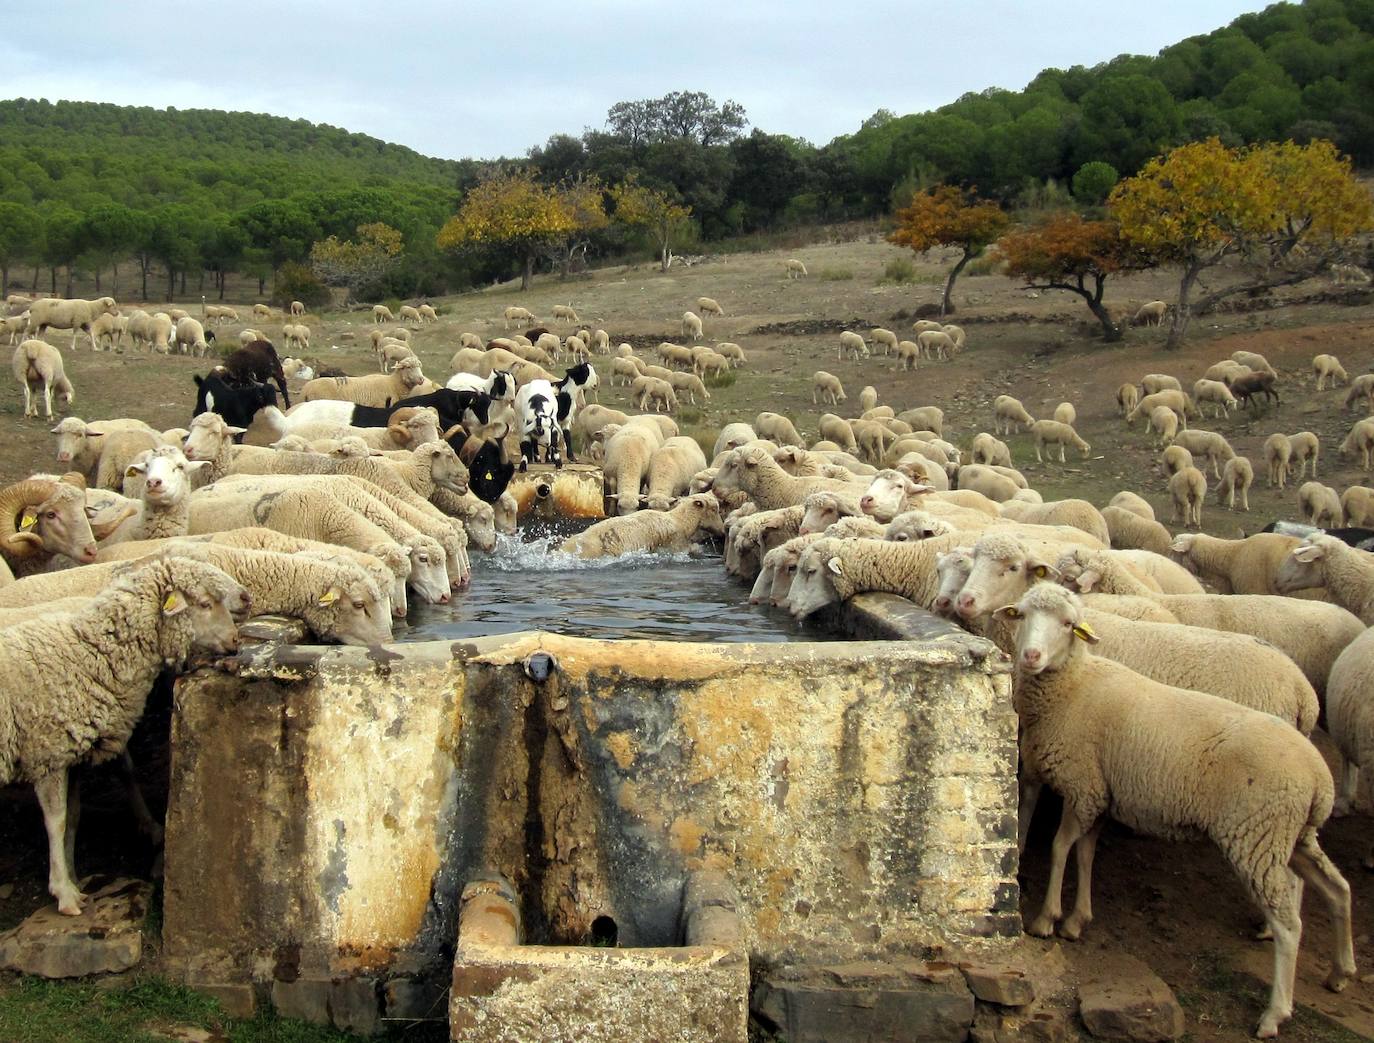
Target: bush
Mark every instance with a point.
(1093, 182)
(835, 274)
(986, 264)
(900, 271)
(723, 379)
(689, 416)
(296, 282)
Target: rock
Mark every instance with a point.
(185, 1034)
(1124, 999)
(105, 939)
(1005, 986)
(1027, 1025)
(5, 891)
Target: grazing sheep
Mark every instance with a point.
(1357, 504)
(709, 306)
(1129, 501)
(1179, 401)
(1320, 505)
(732, 436)
(108, 330)
(908, 354)
(673, 530)
(1304, 446)
(924, 418)
(1009, 413)
(671, 467)
(873, 439)
(778, 429)
(1245, 566)
(519, 316)
(1226, 371)
(297, 337)
(651, 390)
(1155, 382)
(936, 344)
(1362, 387)
(1163, 421)
(381, 313)
(37, 364)
(691, 325)
(987, 449)
(1249, 385)
(189, 337)
(1236, 477)
(1188, 489)
(827, 386)
(1151, 314)
(74, 315)
(1131, 531)
(794, 268)
(248, 336)
(1350, 722)
(691, 384)
(1361, 437)
(1207, 444)
(297, 308)
(886, 338)
(1175, 458)
(262, 311)
(177, 314)
(1127, 397)
(76, 682)
(852, 344)
(427, 313)
(1324, 563)
(375, 389)
(1215, 392)
(1329, 371)
(732, 352)
(1090, 728)
(838, 430)
(564, 313)
(1065, 413)
(984, 480)
(1052, 432)
(1277, 451)
(956, 335)
(868, 399)
(1255, 361)
(408, 313)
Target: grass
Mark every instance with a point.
(899, 272)
(835, 274)
(721, 380)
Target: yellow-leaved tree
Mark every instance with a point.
(947, 216)
(639, 206)
(1285, 211)
(355, 263)
(514, 212)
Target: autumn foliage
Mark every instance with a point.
(947, 216)
(637, 205)
(356, 263)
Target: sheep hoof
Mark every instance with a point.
(1337, 980)
(1042, 927)
(1072, 928)
(1340, 809)
(1268, 1026)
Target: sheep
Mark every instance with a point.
(297, 308)
(1304, 446)
(1248, 385)
(189, 337)
(381, 313)
(1169, 760)
(1052, 432)
(827, 386)
(886, 338)
(732, 436)
(709, 363)
(1175, 458)
(671, 467)
(794, 268)
(519, 316)
(1215, 392)
(406, 428)
(248, 336)
(108, 330)
(43, 517)
(1155, 382)
(1163, 421)
(956, 335)
(159, 333)
(262, 311)
(709, 306)
(777, 428)
(392, 353)
(1188, 489)
(74, 315)
(1068, 514)
(822, 509)
(78, 442)
(908, 354)
(873, 439)
(1323, 562)
(1179, 401)
(1245, 566)
(1151, 314)
(629, 452)
(1009, 413)
(1328, 369)
(672, 530)
(1357, 505)
(1361, 387)
(15, 326)
(1361, 437)
(1350, 722)
(1207, 444)
(1255, 361)
(177, 314)
(986, 449)
(36, 364)
(564, 313)
(375, 389)
(651, 390)
(1127, 397)
(750, 538)
(91, 670)
(1130, 531)
(1320, 505)
(297, 337)
(983, 480)
(408, 313)
(1226, 371)
(1236, 477)
(118, 449)
(752, 470)
(1065, 413)
(924, 418)
(1277, 451)
(691, 384)
(732, 352)
(831, 571)
(164, 501)
(936, 344)
(1129, 501)
(853, 344)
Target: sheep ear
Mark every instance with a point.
(236, 430)
(1085, 633)
(1181, 543)
(197, 465)
(836, 569)
(329, 597)
(1040, 570)
(174, 603)
(1308, 552)
(1009, 612)
(1087, 579)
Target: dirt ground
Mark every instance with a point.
(1174, 905)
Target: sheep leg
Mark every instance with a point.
(1348, 776)
(47, 398)
(147, 825)
(1061, 452)
(1082, 914)
(1286, 925)
(52, 798)
(28, 401)
(73, 820)
(1025, 811)
(1315, 868)
(1070, 830)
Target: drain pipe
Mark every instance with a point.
(489, 914)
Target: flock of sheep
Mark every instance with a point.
(1137, 651)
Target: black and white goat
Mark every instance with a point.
(536, 406)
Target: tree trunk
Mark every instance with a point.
(1111, 332)
(52, 273)
(69, 282)
(946, 305)
(4, 280)
(183, 284)
(200, 286)
(262, 282)
(664, 257)
(37, 270)
(171, 283)
(222, 281)
(143, 270)
(527, 275)
(97, 281)
(114, 280)
(1183, 309)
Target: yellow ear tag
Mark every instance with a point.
(329, 597)
(1041, 572)
(487, 476)
(1085, 633)
(29, 520)
(174, 603)
(131, 472)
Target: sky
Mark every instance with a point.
(476, 79)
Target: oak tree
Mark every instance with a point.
(948, 216)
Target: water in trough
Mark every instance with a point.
(528, 584)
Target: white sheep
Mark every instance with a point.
(1127, 397)
(1320, 505)
(751, 469)
(1357, 504)
(653, 391)
(1255, 361)
(262, 311)
(908, 354)
(74, 315)
(827, 386)
(1133, 502)
(107, 331)
(853, 344)
(1065, 413)
(1215, 392)
(1188, 489)
(1206, 444)
(1169, 760)
(868, 400)
(1277, 451)
(1008, 414)
(1361, 437)
(1164, 421)
(710, 306)
(427, 313)
(297, 308)
(1304, 446)
(628, 453)
(690, 384)
(248, 336)
(886, 338)
(794, 268)
(956, 336)
(987, 449)
(381, 313)
(671, 467)
(674, 529)
(1322, 561)
(408, 313)
(731, 351)
(1155, 382)
(38, 365)
(1151, 314)
(190, 337)
(936, 344)
(564, 313)
(1350, 722)
(1329, 371)
(1236, 478)
(1052, 432)
(375, 389)
(778, 429)
(297, 337)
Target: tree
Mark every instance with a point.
(21, 238)
(282, 228)
(1065, 252)
(1093, 182)
(689, 115)
(585, 199)
(355, 264)
(510, 212)
(639, 206)
(62, 242)
(110, 232)
(946, 216)
(1285, 210)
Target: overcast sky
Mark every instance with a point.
(458, 79)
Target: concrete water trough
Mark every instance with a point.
(842, 804)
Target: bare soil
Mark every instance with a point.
(1175, 905)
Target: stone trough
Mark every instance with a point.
(842, 803)
(570, 491)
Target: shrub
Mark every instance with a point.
(296, 282)
(721, 380)
(900, 271)
(986, 264)
(1093, 182)
(835, 274)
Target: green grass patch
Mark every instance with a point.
(723, 379)
(899, 271)
(835, 274)
(688, 416)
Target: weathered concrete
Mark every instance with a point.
(1123, 999)
(571, 491)
(327, 805)
(105, 939)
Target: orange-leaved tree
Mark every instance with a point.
(948, 216)
(512, 212)
(1285, 211)
(1066, 252)
(638, 205)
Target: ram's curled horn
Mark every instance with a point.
(16, 541)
